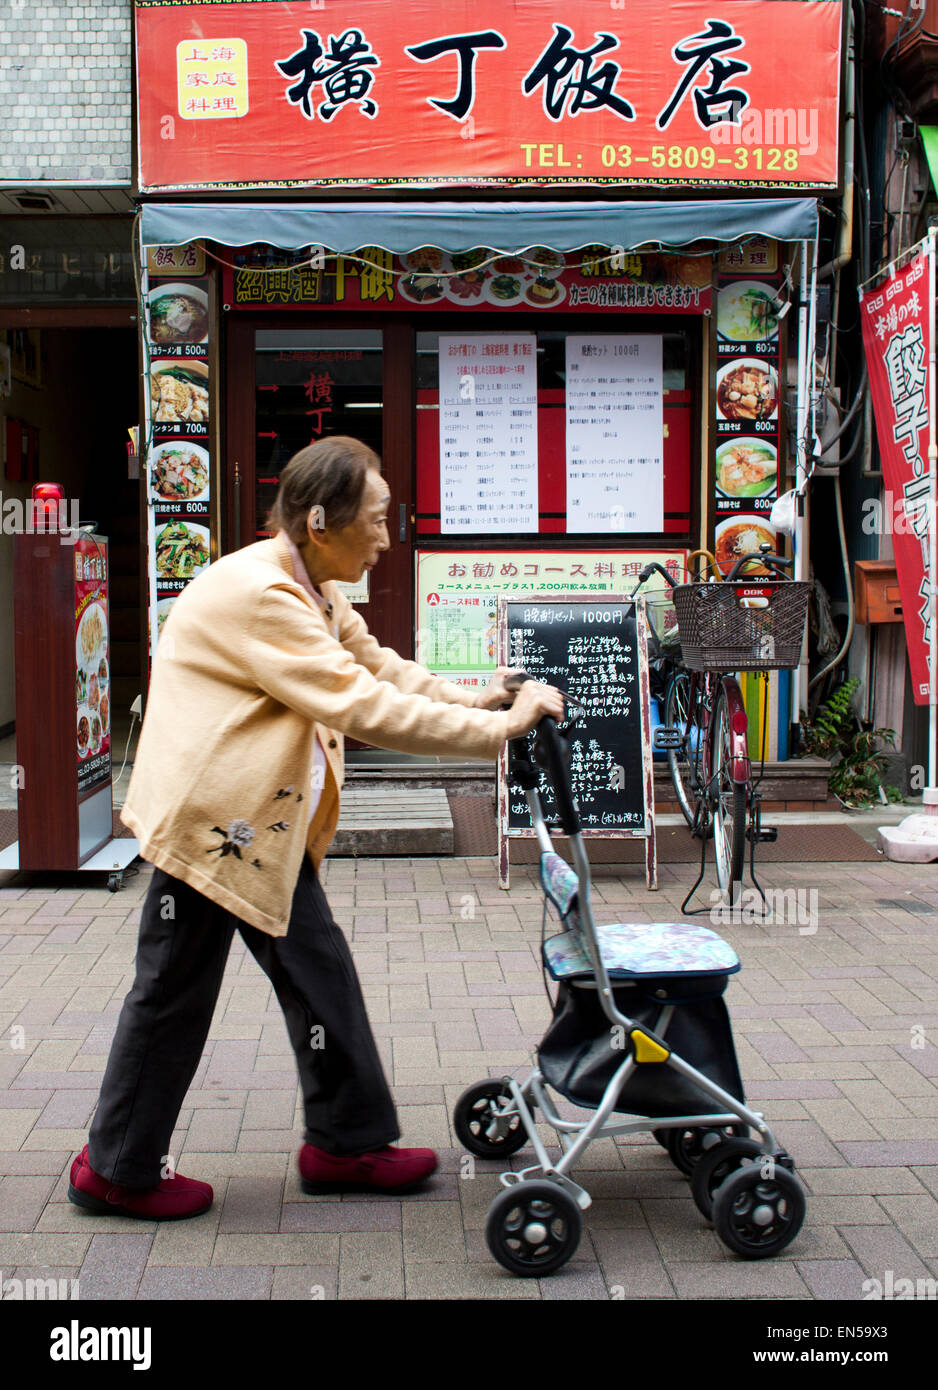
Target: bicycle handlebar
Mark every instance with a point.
(649, 570)
(775, 562)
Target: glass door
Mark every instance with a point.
(310, 384)
(287, 386)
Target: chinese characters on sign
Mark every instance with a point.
(897, 321)
(615, 465)
(587, 279)
(521, 95)
(713, 102)
(345, 73)
(565, 72)
(212, 79)
(488, 432)
(465, 45)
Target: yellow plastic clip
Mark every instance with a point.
(646, 1049)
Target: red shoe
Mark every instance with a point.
(173, 1199)
(386, 1170)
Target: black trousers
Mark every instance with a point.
(181, 954)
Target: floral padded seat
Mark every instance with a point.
(630, 950)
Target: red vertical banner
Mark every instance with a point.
(897, 319)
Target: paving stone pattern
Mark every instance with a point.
(836, 1030)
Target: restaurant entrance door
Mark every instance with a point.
(291, 382)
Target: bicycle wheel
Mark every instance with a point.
(729, 809)
(680, 762)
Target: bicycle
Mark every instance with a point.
(724, 628)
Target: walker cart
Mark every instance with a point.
(640, 1029)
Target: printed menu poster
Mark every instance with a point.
(615, 434)
(488, 432)
(92, 663)
(458, 591)
(178, 457)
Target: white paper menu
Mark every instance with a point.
(615, 434)
(488, 432)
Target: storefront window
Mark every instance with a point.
(612, 454)
(311, 383)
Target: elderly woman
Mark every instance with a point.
(262, 667)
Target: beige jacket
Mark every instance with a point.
(249, 670)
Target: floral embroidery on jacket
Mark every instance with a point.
(237, 837)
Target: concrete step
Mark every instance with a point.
(797, 785)
(393, 820)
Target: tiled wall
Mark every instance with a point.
(65, 91)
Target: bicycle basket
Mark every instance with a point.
(745, 625)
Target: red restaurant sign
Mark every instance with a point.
(279, 93)
(897, 329)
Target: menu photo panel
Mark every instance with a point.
(179, 453)
(747, 391)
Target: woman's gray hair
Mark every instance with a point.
(328, 475)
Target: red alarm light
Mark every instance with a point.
(46, 498)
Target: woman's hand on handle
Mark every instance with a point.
(497, 693)
(531, 703)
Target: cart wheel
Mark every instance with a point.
(660, 1136)
(115, 881)
(757, 1216)
(687, 1146)
(479, 1126)
(715, 1166)
(533, 1228)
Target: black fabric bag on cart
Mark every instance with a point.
(580, 1052)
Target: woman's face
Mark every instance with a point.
(349, 552)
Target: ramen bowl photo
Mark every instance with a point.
(742, 535)
(747, 390)
(178, 314)
(747, 467)
(747, 312)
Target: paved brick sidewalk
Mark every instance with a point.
(837, 1035)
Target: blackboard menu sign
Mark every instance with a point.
(594, 648)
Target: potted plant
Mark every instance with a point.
(853, 748)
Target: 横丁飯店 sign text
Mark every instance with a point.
(588, 92)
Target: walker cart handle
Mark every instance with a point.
(520, 764)
(549, 743)
(773, 562)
